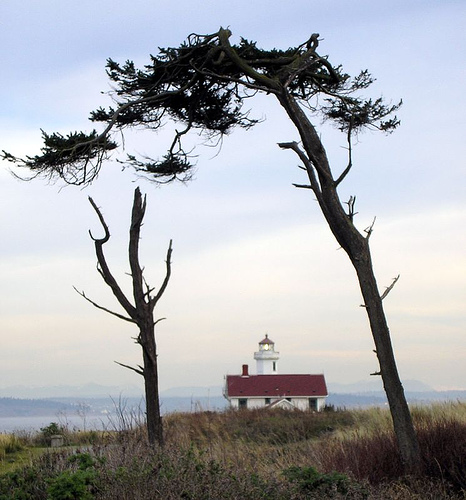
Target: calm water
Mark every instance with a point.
(103, 416)
(31, 424)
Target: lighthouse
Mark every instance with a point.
(267, 389)
(266, 357)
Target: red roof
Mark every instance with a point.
(266, 340)
(267, 386)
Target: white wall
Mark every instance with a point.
(299, 403)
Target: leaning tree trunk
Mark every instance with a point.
(402, 422)
(356, 246)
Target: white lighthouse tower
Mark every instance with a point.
(266, 357)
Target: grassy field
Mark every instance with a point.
(254, 454)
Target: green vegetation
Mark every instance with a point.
(255, 454)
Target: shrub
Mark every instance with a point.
(23, 484)
(75, 484)
(331, 485)
(50, 430)
(71, 485)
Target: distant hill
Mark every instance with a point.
(375, 385)
(58, 391)
(105, 410)
(12, 407)
(378, 398)
(20, 401)
(187, 392)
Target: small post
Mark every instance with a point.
(56, 441)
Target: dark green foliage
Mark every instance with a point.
(331, 485)
(52, 429)
(83, 460)
(350, 114)
(71, 485)
(169, 168)
(23, 484)
(75, 484)
(202, 85)
(74, 156)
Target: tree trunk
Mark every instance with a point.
(401, 416)
(357, 247)
(151, 385)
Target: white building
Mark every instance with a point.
(269, 389)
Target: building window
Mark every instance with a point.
(274, 366)
(267, 401)
(313, 404)
(288, 399)
(242, 403)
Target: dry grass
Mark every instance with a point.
(243, 454)
(11, 443)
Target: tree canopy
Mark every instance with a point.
(203, 85)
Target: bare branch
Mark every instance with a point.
(102, 221)
(149, 290)
(369, 229)
(307, 163)
(120, 316)
(237, 81)
(137, 216)
(350, 149)
(351, 202)
(375, 373)
(159, 320)
(388, 289)
(154, 300)
(269, 83)
(304, 186)
(104, 270)
(137, 370)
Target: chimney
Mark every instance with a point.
(245, 371)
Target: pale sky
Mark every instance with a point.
(252, 255)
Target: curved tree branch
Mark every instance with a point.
(161, 291)
(104, 270)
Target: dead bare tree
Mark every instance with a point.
(141, 312)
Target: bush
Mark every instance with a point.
(71, 485)
(23, 484)
(75, 485)
(50, 430)
(331, 485)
